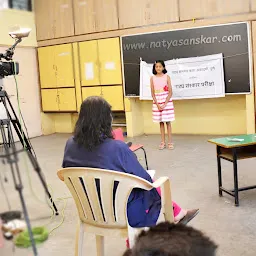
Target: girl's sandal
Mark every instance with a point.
(170, 146)
(162, 146)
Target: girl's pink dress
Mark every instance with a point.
(161, 93)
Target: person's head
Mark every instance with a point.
(167, 239)
(159, 67)
(94, 123)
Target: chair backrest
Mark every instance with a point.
(118, 134)
(101, 205)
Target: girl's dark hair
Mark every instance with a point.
(94, 123)
(162, 63)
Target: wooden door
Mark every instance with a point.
(44, 17)
(89, 65)
(49, 100)
(67, 99)
(63, 21)
(91, 91)
(134, 13)
(47, 67)
(64, 65)
(84, 16)
(213, 8)
(110, 61)
(114, 96)
(106, 15)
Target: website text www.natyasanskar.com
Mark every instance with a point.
(182, 42)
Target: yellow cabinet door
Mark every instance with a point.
(89, 67)
(47, 68)
(64, 65)
(114, 96)
(91, 91)
(67, 99)
(110, 61)
(49, 100)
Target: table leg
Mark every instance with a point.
(235, 177)
(219, 170)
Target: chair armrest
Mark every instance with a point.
(151, 173)
(60, 175)
(166, 198)
(159, 182)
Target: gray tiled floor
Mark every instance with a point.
(192, 169)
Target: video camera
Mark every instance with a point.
(9, 67)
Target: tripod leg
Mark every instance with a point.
(25, 212)
(12, 159)
(39, 172)
(27, 146)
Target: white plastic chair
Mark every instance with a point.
(107, 215)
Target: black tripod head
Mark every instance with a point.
(10, 51)
(8, 68)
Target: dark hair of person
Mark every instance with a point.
(94, 123)
(166, 239)
(162, 63)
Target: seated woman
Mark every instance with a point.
(93, 146)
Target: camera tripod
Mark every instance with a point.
(11, 155)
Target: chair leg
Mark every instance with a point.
(100, 245)
(131, 236)
(79, 239)
(146, 160)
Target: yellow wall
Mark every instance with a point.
(58, 123)
(134, 117)
(10, 19)
(203, 116)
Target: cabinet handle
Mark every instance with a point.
(58, 98)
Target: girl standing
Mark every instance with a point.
(163, 109)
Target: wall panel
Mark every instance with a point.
(209, 8)
(106, 15)
(136, 13)
(95, 16)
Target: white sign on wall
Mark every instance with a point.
(191, 78)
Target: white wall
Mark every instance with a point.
(28, 87)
